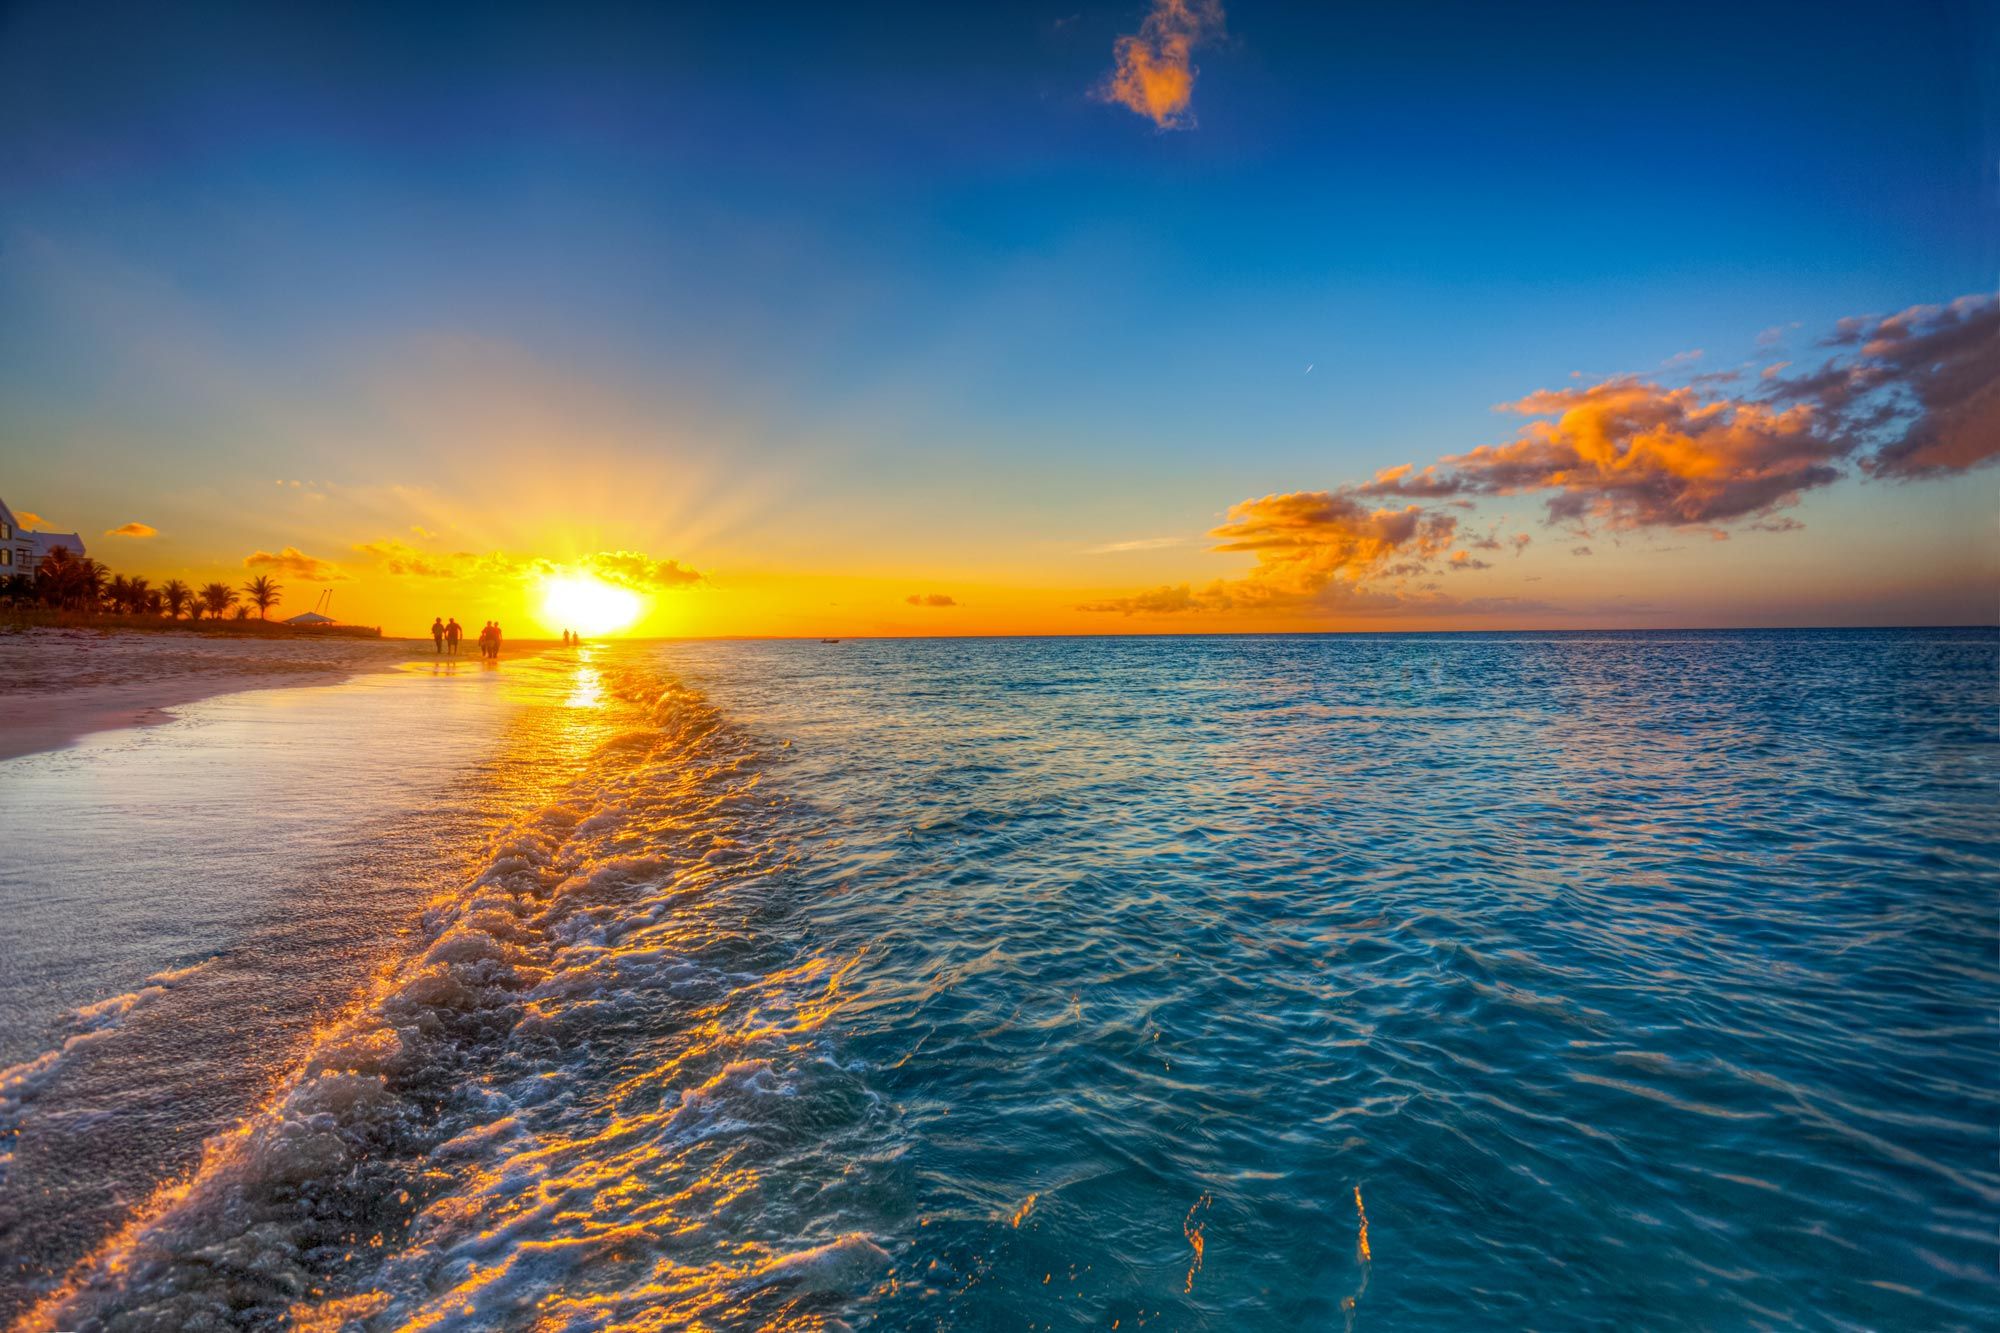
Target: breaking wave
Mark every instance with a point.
(22, 1083)
(562, 1104)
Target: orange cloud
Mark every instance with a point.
(1911, 395)
(132, 530)
(400, 559)
(1311, 547)
(1906, 396)
(629, 569)
(934, 599)
(641, 573)
(29, 520)
(296, 563)
(1634, 454)
(1154, 73)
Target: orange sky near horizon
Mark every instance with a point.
(1642, 581)
(1668, 500)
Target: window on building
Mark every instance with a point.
(6, 556)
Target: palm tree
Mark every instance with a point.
(118, 594)
(217, 598)
(73, 582)
(137, 589)
(263, 594)
(176, 595)
(152, 603)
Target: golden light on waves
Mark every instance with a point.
(588, 604)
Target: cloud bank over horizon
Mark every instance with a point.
(1904, 397)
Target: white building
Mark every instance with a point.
(21, 552)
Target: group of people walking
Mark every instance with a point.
(446, 634)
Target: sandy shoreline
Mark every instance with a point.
(57, 685)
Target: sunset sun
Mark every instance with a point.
(588, 605)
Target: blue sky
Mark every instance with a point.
(901, 265)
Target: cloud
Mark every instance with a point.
(419, 530)
(1311, 546)
(29, 520)
(938, 599)
(1154, 73)
(641, 573)
(628, 569)
(1901, 397)
(1137, 544)
(132, 530)
(403, 560)
(1633, 454)
(1344, 599)
(1305, 540)
(1166, 600)
(1926, 382)
(1915, 394)
(295, 563)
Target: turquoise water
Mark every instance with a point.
(1573, 981)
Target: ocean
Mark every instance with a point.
(1555, 981)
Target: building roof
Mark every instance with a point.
(48, 541)
(309, 618)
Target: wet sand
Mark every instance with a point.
(57, 685)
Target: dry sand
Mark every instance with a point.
(59, 684)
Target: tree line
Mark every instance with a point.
(72, 582)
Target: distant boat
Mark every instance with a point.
(829, 640)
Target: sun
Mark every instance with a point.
(588, 605)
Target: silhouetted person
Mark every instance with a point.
(496, 640)
(453, 632)
(437, 634)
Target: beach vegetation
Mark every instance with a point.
(264, 593)
(72, 582)
(217, 598)
(69, 591)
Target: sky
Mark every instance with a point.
(1159, 317)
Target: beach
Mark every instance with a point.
(59, 684)
(1242, 983)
